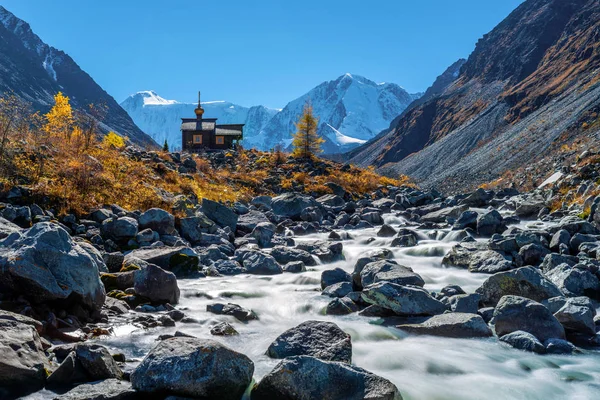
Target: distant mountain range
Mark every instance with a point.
(531, 85)
(351, 110)
(35, 71)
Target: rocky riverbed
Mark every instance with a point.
(405, 294)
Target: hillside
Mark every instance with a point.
(529, 86)
(35, 72)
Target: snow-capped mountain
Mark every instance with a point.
(161, 118)
(351, 110)
(35, 71)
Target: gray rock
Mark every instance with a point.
(332, 276)
(284, 255)
(331, 200)
(390, 271)
(528, 208)
(523, 341)
(290, 205)
(327, 252)
(533, 254)
(220, 214)
(180, 260)
(294, 267)
(577, 315)
(479, 198)
(467, 219)
(341, 306)
(339, 289)
(229, 267)
(575, 281)
(23, 363)
(560, 237)
(192, 228)
(465, 303)
(97, 362)
(526, 282)
(258, 263)
(158, 220)
(456, 325)
(472, 257)
(7, 227)
(109, 389)
(404, 241)
(156, 284)
(559, 346)
(448, 213)
(191, 367)
(247, 222)
(320, 339)
(120, 229)
(514, 313)
(235, 310)
(44, 264)
(386, 231)
(489, 223)
(10, 316)
(402, 300)
(308, 378)
(263, 233)
(223, 329)
(119, 307)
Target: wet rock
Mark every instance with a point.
(44, 264)
(465, 303)
(514, 313)
(523, 341)
(192, 228)
(294, 267)
(559, 346)
(258, 263)
(526, 282)
(473, 257)
(220, 214)
(7, 227)
(339, 289)
(332, 276)
(304, 377)
(390, 271)
(478, 198)
(528, 208)
(467, 219)
(341, 306)
(119, 307)
(402, 300)
(372, 217)
(445, 214)
(285, 255)
(386, 231)
(533, 254)
(109, 389)
(404, 241)
(229, 267)
(158, 220)
(560, 237)
(249, 221)
(235, 310)
(290, 205)
(191, 367)
(223, 329)
(156, 284)
(97, 362)
(23, 363)
(456, 325)
(320, 339)
(327, 252)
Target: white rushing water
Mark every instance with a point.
(422, 367)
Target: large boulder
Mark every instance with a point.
(158, 220)
(523, 341)
(445, 214)
(263, 233)
(390, 271)
(44, 264)
(526, 282)
(308, 378)
(285, 255)
(7, 227)
(97, 362)
(474, 257)
(575, 280)
(333, 276)
(220, 214)
(457, 325)
(577, 315)
(489, 223)
(247, 222)
(323, 340)
(156, 284)
(192, 228)
(191, 367)
(515, 313)
(23, 364)
(290, 205)
(402, 300)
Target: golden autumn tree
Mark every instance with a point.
(307, 143)
(59, 120)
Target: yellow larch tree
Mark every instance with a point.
(306, 142)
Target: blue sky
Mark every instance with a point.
(263, 51)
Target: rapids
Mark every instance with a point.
(422, 367)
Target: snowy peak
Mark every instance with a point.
(150, 98)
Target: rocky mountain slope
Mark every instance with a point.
(161, 118)
(36, 71)
(352, 110)
(530, 85)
